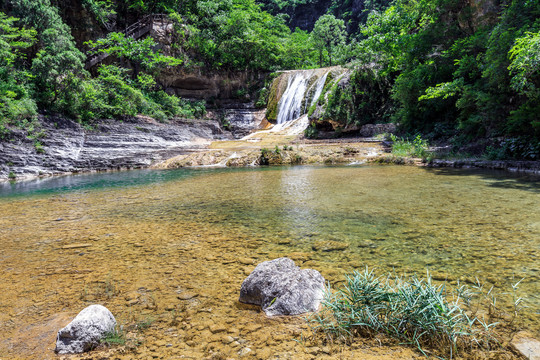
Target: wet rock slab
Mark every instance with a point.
(282, 288)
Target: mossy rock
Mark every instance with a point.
(279, 85)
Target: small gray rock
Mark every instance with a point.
(85, 331)
(281, 288)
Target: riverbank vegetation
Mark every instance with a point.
(433, 318)
(453, 71)
(446, 69)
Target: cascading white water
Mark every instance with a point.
(290, 104)
(297, 97)
(319, 88)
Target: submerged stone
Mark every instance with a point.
(528, 346)
(329, 245)
(282, 288)
(85, 331)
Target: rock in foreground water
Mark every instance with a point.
(525, 344)
(282, 288)
(85, 331)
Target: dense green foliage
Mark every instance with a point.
(15, 102)
(233, 35)
(328, 34)
(51, 76)
(443, 68)
(451, 71)
(403, 148)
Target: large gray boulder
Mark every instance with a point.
(281, 288)
(85, 331)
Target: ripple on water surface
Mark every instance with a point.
(137, 240)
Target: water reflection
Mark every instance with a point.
(297, 192)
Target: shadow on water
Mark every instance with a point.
(495, 178)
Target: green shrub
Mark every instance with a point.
(417, 148)
(264, 157)
(311, 132)
(192, 109)
(114, 94)
(13, 109)
(39, 147)
(514, 148)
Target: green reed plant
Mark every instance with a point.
(415, 148)
(114, 337)
(412, 310)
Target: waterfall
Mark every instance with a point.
(293, 93)
(303, 90)
(290, 105)
(319, 88)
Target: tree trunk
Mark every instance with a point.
(330, 55)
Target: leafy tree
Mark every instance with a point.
(525, 71)
(141, 52)
(58, 59)
(328, 34)
(153, 6)
(299, 51)
(103, 10)
(233, 34)
(525, 65)
(349, 11)
(15, 103)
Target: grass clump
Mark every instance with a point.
(416, 148)
(117, 337)
(414, 311)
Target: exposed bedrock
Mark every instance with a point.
(212, 86)
(67, 147)
(242, 118)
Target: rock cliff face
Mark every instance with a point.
(82, 23)
(69, 148)
(215, 86)
(230, 96)
(304, 16)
